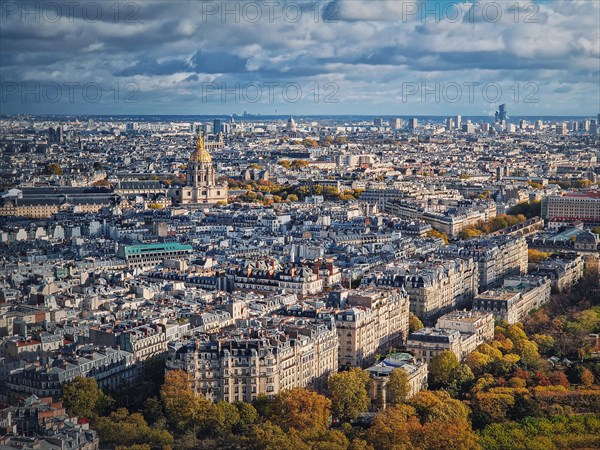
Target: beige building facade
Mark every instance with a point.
(374, 321)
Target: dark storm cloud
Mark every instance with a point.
(169, 49)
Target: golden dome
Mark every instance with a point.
(200, 155)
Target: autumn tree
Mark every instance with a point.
(455, 436)
(349, 393)
(398, 386)
(53, 169)
(586, 377)
(535, 256)
(400, 428)
(83, 398)
(390, 428)
(438, 406)
(184, 409)
(469, 233)
(414, 323)
(493, 406)
(478, 362)
(301, 409)
(133, 447)
(438, 234)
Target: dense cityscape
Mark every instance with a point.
(300, 225)
(181, 284)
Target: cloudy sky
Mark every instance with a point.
(301, 57)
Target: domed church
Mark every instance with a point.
(200, 187)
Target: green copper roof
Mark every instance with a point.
(144, 249)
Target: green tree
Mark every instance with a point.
(248, 416)
(153, 410)
(528, 351)
(123, 428)
(545, 343)
(83, 398)
(349, 393)
(325, 439)
(268, 436)
(398, 386)
(446, 372)
(220, 419)
(263, 405)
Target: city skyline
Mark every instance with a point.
(403, 58)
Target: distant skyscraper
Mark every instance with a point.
(586, 125)
(593, 127)
(396, 124)
(449, 123)
(458, 121)
(217, 126)
(378, 122)
(502, 114)
(468, 127)
(522, 124)
(412, 123)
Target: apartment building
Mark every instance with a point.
(496, 257)
(564, 270)
(434, 287)
(515, 299)
(584, 206)
(475, 327)
(142, 341)
(372, 322)
(261, 276)
(111, 368)
(243, 364)
(426, 343)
